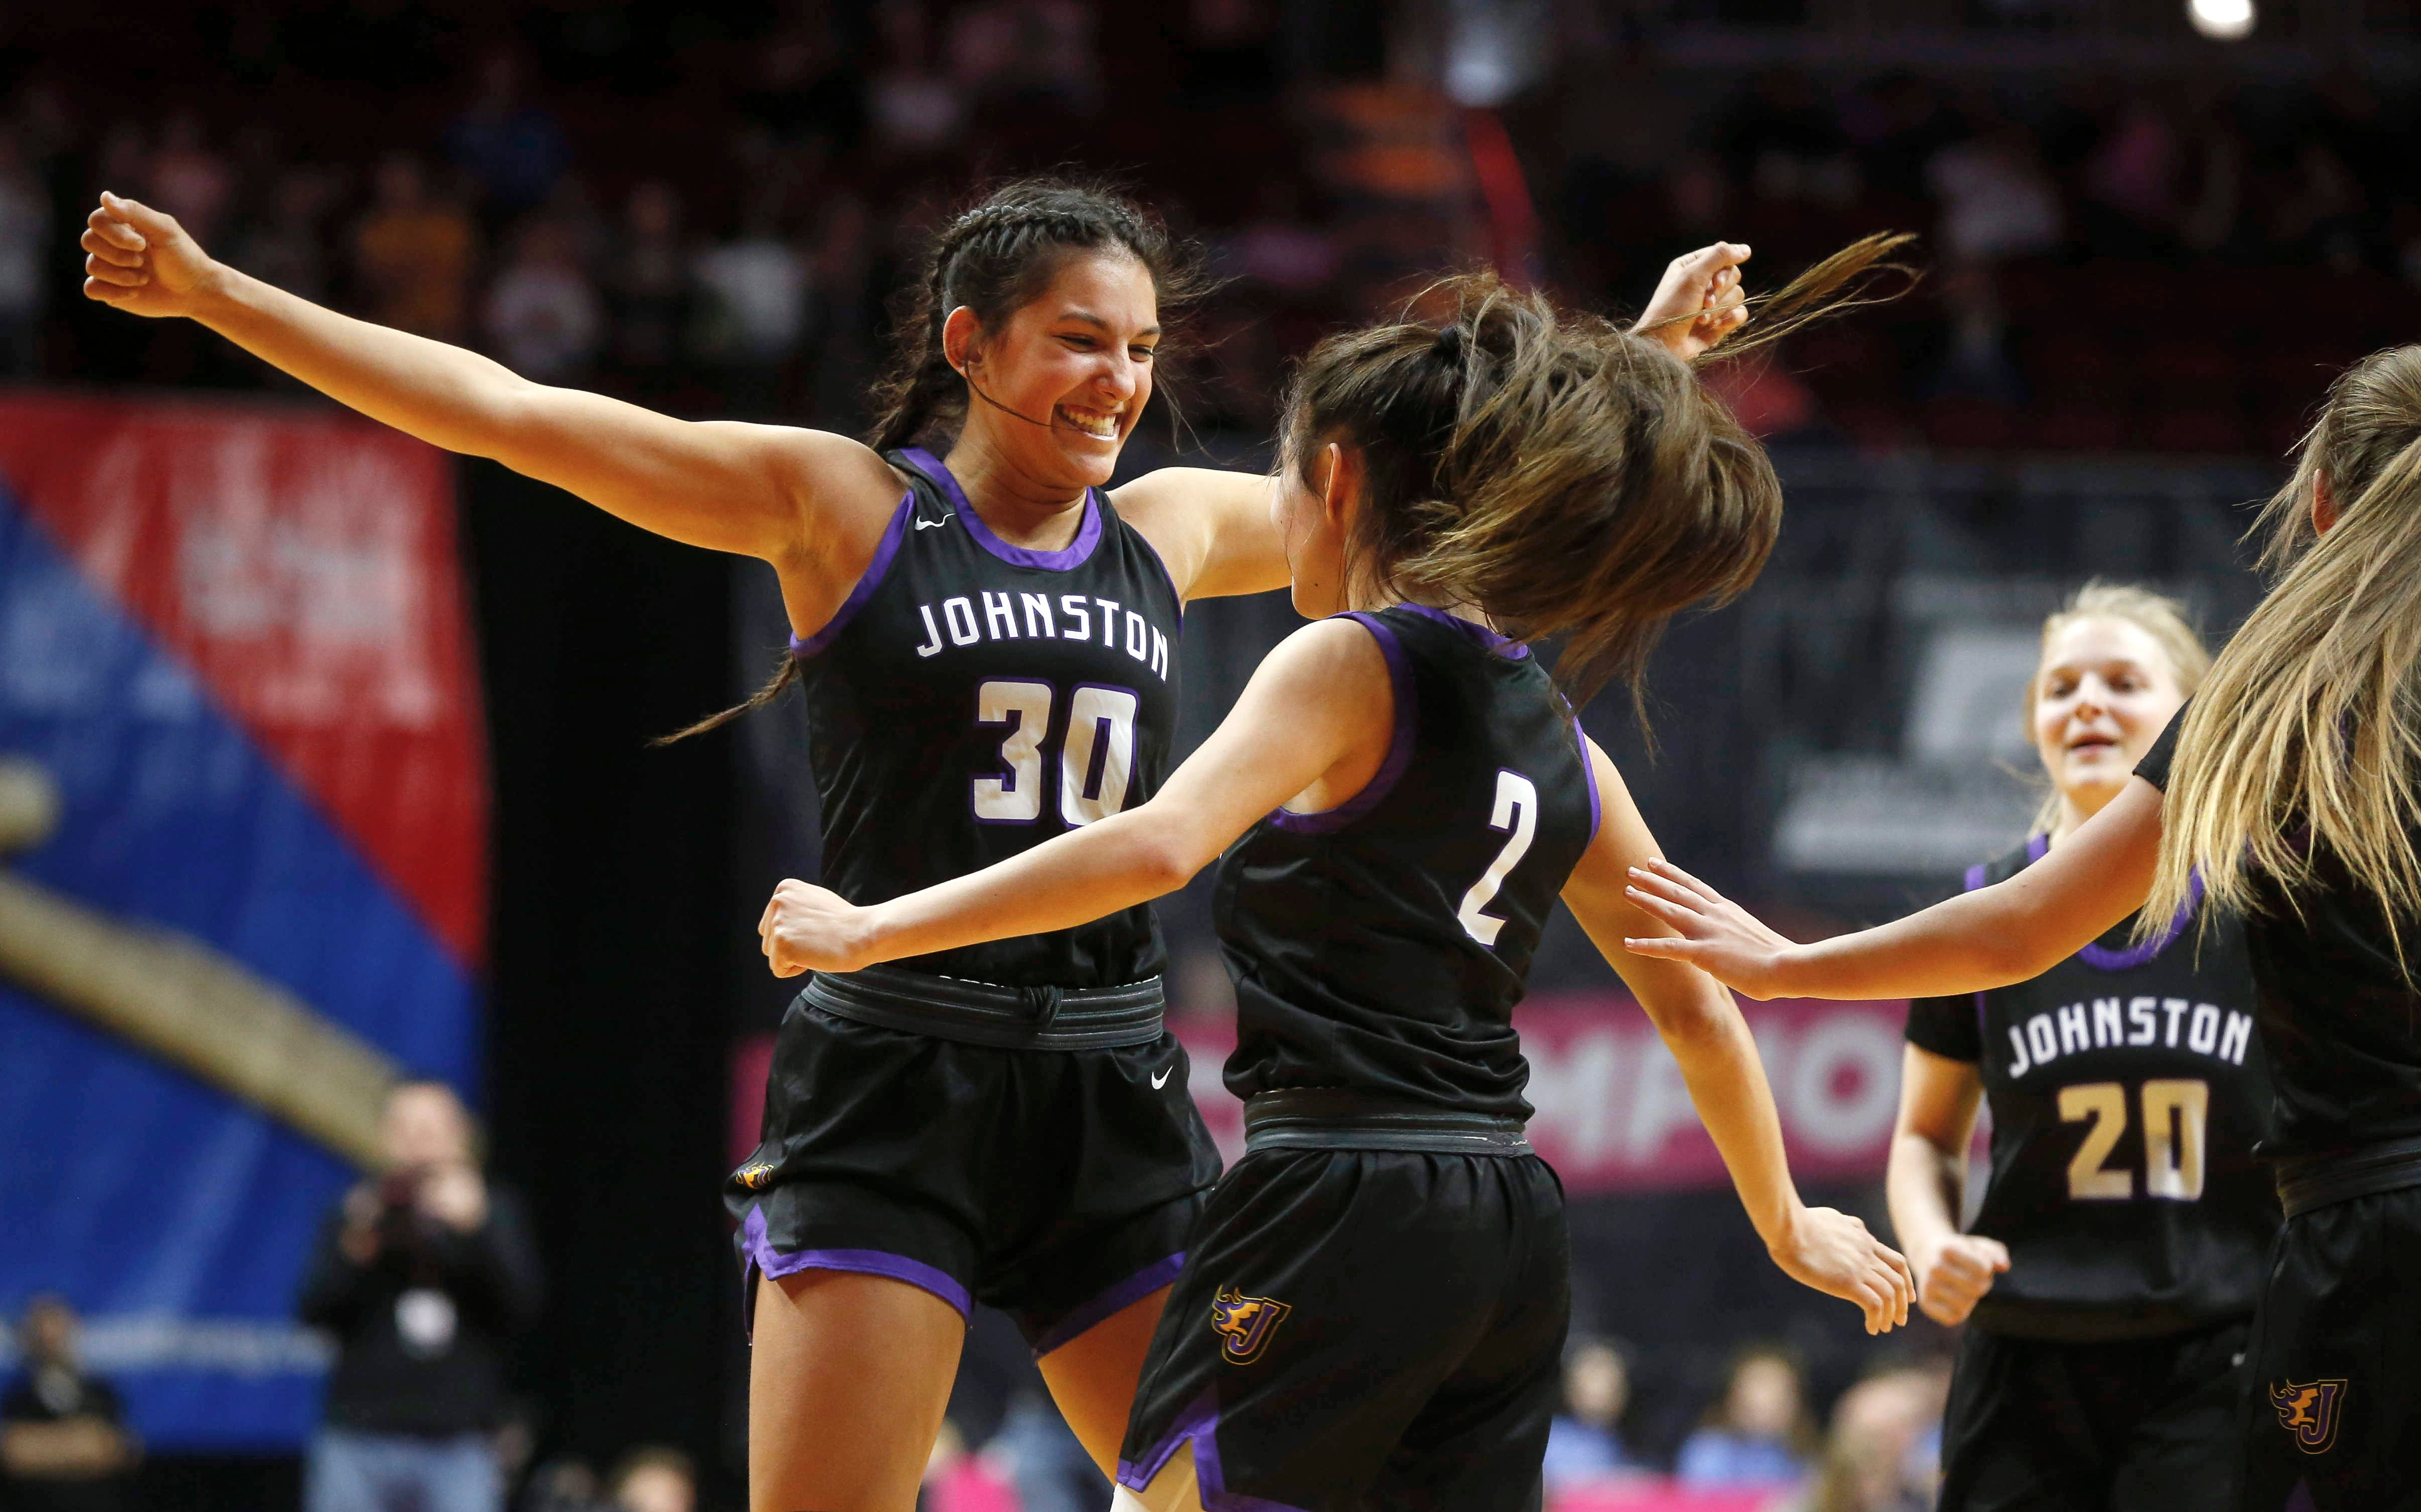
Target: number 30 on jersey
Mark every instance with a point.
(1096, 756)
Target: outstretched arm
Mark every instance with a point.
(2008, 932)
(757, 490)
(1701, 1025)
(1216, 531)
(1321, 710)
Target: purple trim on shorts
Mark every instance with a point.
(867, 581)
(1117, 1299)
(1588, 770)
(1088, 534)
(767, 1260)
(1399, 748)
(1502, 645)
(1199, 1422)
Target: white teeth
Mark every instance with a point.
(1104, 428)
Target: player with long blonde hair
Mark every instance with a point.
(2289, 792)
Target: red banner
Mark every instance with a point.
(1612, 1114)
(304, 562)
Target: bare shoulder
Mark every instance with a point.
(1192, 516)
(1338, 656)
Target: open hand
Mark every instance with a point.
(1831, 1251)
(1717, 935)
(1698, 302)
(811, 928)
(1954, 1274)
(140, 260)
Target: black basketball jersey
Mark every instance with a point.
(2341, 1020)
(2126, 1089)
(1382, 944)
(970, 699)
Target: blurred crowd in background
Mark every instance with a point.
(708, 215)
(708, 212)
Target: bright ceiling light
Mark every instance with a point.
(2227, 21)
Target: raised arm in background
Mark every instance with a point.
(2011, 932)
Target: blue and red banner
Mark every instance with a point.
(236, 641)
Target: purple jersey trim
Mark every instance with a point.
(767, 1260)
(1162, 563)
(1119, 1297)
(1088, 534)
(871, 579)
(1588, 770)
(2096, 955)
(1502, 645)
(1199, 1422)
(1400, 749)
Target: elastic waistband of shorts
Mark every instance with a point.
(986, 1013)
(1340, 1118)
(2318, 1180)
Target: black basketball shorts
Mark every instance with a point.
(1363, 1328)
(2125, 1426)
(2335, 1360)
(1056, 1185)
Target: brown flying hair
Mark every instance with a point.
(1562, 474)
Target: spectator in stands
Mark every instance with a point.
(514, 150)
(25, 253)
(188, 180)
(1585, 1445)
(1996, 201)
(284, 247)
(64, 1443)
(542, 318)
(916, 110)
(1044, 1460)
(411, 254)
(757, 286)
(1757, 1433)
(1885, 1450)
(653, 1478)
(649, 290)
(423, 1274)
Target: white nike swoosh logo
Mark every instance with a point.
(930, 524)
(1162, 1079)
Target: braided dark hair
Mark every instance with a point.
(993, 258)
(998, 254)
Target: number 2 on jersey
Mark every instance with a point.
(2176, 1112)
(1515, 810)
(1095, 759)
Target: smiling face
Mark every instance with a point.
(2102, 694)
(1072, 366)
